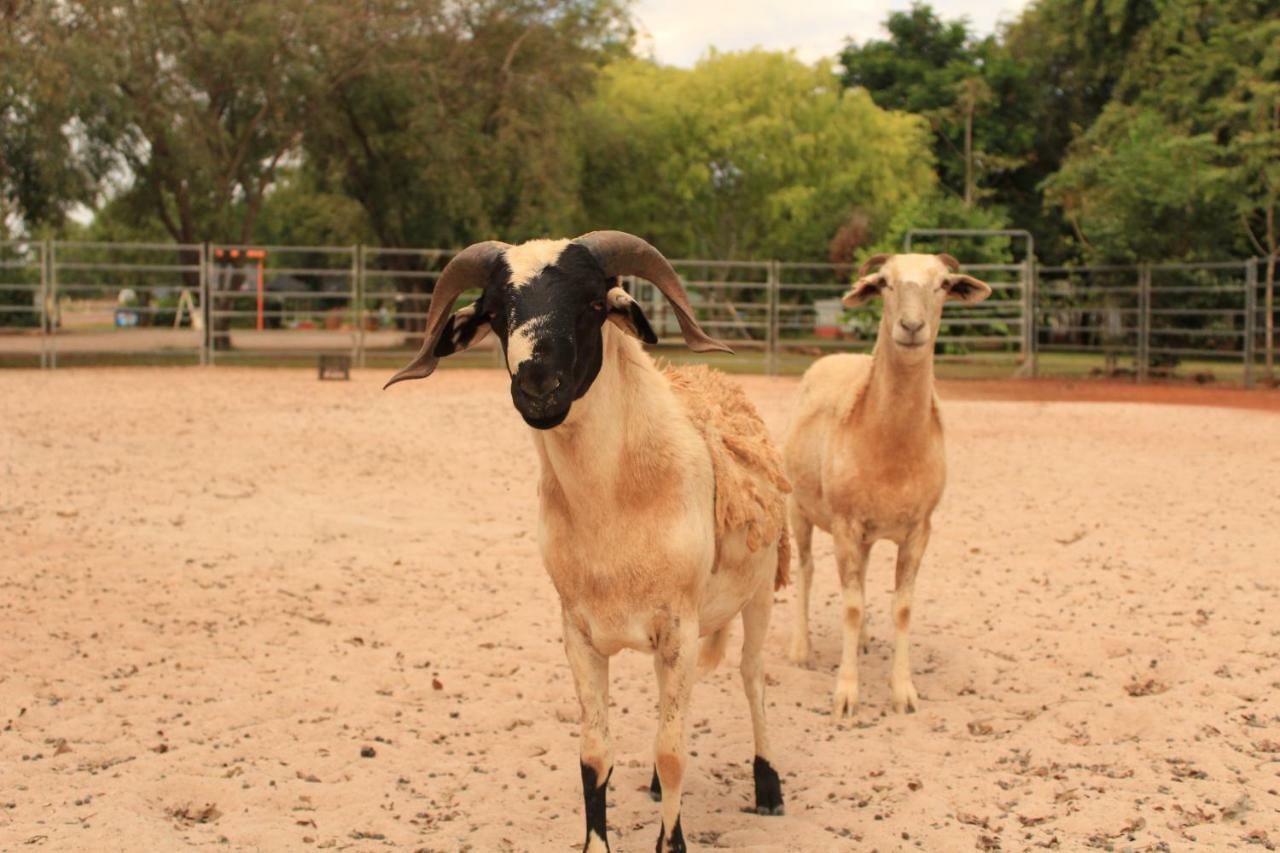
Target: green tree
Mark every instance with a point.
(197, 102)
(963, 85)
(463, 127)
(1137, 188)
(747, 155)
(41, 174)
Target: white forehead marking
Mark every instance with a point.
(529, 259)
(520, 343)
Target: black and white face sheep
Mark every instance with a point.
(661, 498)
(547, 301)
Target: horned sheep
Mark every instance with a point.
(662, 509)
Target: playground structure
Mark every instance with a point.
(229, 270)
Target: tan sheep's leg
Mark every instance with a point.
(591, 681)
(755, 625)
(676, 666)
(910, 553)
(802, 530)
(851, 559)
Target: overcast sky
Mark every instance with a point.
(680, 31)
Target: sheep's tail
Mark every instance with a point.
(782, 576)
(712, 650)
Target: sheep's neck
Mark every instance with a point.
(611, 432)
(899, 395)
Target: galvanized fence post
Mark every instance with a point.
(211, 279)
(1033, 281)
(44, 304)
(1143, 367)
(357, 309)
(1269, 320)
(1028, 341)
(52, 303)
(202, 286)
(774, 284)
(1250, 318)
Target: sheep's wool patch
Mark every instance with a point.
(743, 460)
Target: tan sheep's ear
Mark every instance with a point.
(966, 288)
(625, 313)
(864, 290)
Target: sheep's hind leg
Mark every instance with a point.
(851, 559)
(910, 553)
(802, 530)
(755, 623)
(591, 680)
(675, 661)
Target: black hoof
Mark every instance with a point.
(655, 788)
(674, 844)
(768, 788)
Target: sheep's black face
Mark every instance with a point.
(548, 301)
(548, 304)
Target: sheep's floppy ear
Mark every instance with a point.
(467, 327)
(868, 285)
(864, 290)
(966, 288)
(473, 267)
(625, 313)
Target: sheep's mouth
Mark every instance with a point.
(910, 344)
(546, 422)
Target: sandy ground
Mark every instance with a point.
(221, 589)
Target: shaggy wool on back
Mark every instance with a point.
(750, 482)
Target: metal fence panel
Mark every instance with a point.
(79, 302)
(23, 303)
(278, 304)
(127, 302)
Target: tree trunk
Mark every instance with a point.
(968, 154)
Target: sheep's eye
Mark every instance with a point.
(598, 305)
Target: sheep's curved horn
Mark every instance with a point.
(469, 269)
(873, 261)
(620, 253)
(949, 262)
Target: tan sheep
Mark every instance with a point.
(865, 456)
(661, 507)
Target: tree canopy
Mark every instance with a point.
(747, 155)
(1112, 129)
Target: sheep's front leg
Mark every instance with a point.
(851, 559)
(591, 681)
(802, 530)
(910, 553)
(755, 625)
(676, 666)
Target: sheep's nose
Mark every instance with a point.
(537, 383)
(911, 326)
